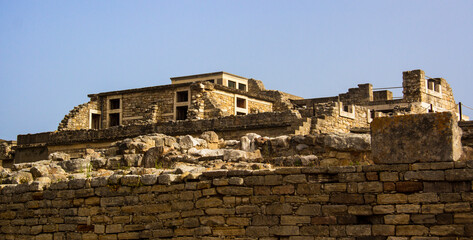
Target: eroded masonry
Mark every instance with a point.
(217, 156)
(231, 106)
(410, 179)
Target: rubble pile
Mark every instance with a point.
(188, 156)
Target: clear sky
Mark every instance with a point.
(54, 53)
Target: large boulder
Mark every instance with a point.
(187, 142)
(21, 177)
(348, 142)
(432, 137)
(59, 156)
(75, 165)
(210, 137)
(154, 158)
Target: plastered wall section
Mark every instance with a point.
(429, 200)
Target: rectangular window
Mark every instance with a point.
(242, 86)
(181, 113)
(430, 84)
(182, 96)
(219, 81)
(114, 119)
(241, 103)
(240, 113)
(115, 103)
(231, 84)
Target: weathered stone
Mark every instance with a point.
(234, 190)
(187, 142)
(59, 156)
(411, 230)
(348, 142)
(75, 165)
(309, 210)
(257, 231)
(278, 209)
(433, 137)
(359, 230)
(397, 219)
(284, 230)
(21, 177)
(208, 202)
(209, 136)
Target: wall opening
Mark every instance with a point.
(114, 119)
(182, 96)
(115, 103)
(95, 124)
(242, 86)
(181, 113)
(241, 103)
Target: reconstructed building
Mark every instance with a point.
(231, 106)
(192, 97)
(360, 105)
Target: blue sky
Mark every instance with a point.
(54, 53)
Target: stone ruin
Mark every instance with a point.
(387, 185)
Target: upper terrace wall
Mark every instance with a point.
(32, 147)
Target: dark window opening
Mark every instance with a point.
(231, 84)
(114, 119)
(95, 121)
(181, 113)
(241, 102)
(373, 114)
(219, 81)
(242, 86)
(182, 96)
(241, 113)
(437, 87)
(211, 81)
(430, 84)
(115, 103)
(347, 108)
(433, 85)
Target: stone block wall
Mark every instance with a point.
(467, 133)
(401, 201)
(78, 118)
(330, 118)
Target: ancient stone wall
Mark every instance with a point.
(420, 200)
(7, 153)
(402, 197)
(416, 89)
(78, 118)
(230, 127)
(467, 135)
(330, 117)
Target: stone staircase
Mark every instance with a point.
(301, 127)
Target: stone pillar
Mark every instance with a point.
(413, 82)
(432, 137)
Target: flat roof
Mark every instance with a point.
(205, 75)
